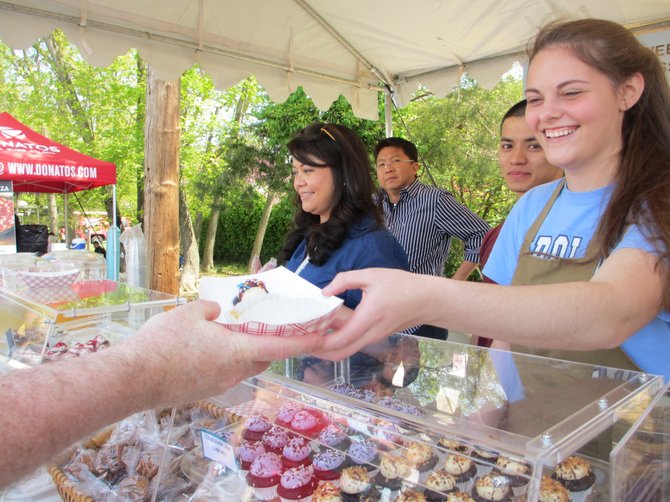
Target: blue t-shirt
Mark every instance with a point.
(367, 245)
(566, 232)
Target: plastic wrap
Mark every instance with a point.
(136, 256)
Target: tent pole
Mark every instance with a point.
(113, 250)
(388, 118)
(65, 222)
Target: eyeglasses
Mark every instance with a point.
(392, 163)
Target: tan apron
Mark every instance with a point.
(531, 269)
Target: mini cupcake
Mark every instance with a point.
(363, 453)
(462, 468)
(328, 464)
(275, 439)
(333, 436)
(248, 451)
(297, 484)
(492, 487)
(452, 445)
(516, 471)
(286, 412)
(296, 453)
(553, 491)
(264, 475)
(307, 424)
(356, 485)
(576, 475)
(421, 456)
(255, 427)
(386, 434)
(327, 492)
(438, 483)
(392, 471)
(410, 496)
(484, 460)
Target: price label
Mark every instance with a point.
(217, 449)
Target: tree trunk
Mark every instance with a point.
(189, 248)
(139, 131)
(53, 213)
(210, 239)
(197, 224)
(262, 227)
(161, 175)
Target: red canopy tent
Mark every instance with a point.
(35, 163)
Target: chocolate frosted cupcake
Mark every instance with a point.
(363, 453)
(392, 471)
(438, 484)
(492, 487)
(462, 468)
(356, 486)
(553, 491)
(421, 456)
(576, 475)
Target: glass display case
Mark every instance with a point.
(503, 426)
(41, 324)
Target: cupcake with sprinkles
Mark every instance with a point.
(328, 465)
(248, 451)
(363, 453)
(307, 423)
(333, 436)
(553, 491)
(356, 485)
(264, 475)
(462, 468)
(438, 484)
(421, 456)
(275, 439)
(297, 484)
(484, 460)
(492, 488)
(255, 427)
(296, 453)
(393, 470)
(516, 470)
(327, 492)
(286, 412)
(576, 475)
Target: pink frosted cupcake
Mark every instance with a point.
(264, 475)
(297, 484)
(275, 439)
(286, 412)
(255, 427)
(328, 465)
(296, 453)
(334, 437)
(307, 423)
(248, 451)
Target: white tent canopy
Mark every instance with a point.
(329, 47)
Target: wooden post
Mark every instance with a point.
(161, 189)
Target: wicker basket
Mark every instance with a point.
(70, 492)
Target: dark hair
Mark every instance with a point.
(407, 146)
(517, 110)
(641, 194)
(338, 147)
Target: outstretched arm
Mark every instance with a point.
(600, 313)
(176, 357)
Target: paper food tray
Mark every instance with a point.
(292, 305)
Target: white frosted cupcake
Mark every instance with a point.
(516, 470)
(492, 488)
(463, 469)
(553, 491)
(576, 475)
